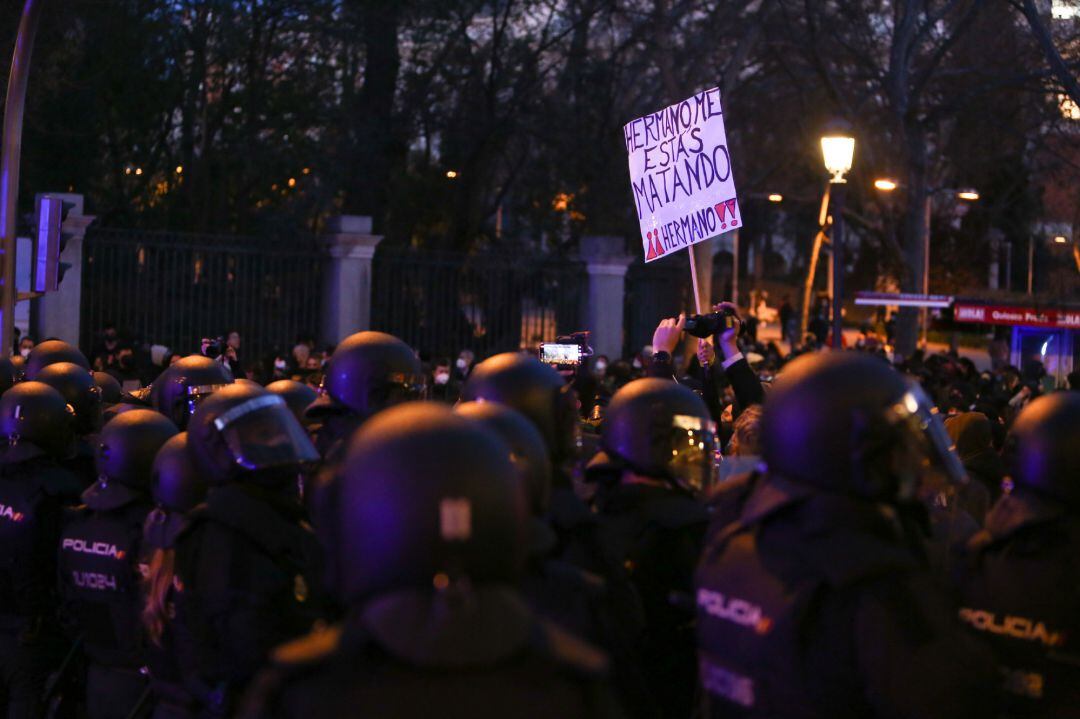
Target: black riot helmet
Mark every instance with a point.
(848, 422)
(370, 371)
(125, 455)
(1046, 455)
(35, 418)
(425, 498)
(111, 391)
(128, 444)
(297, 395)
(52, 352)
(8, 374)
(537, 391)
(180, 388)
(527, 449)
(79, 389)
(176, 487)
(243, 429)
(658, 428)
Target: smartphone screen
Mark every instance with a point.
(560, 354)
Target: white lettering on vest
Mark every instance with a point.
(733, 609)
(1030, 630)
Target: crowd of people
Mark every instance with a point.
(750, 533)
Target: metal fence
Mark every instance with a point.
(172, 288)
(441, 303)
(654, 291)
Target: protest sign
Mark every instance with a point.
(680, 172)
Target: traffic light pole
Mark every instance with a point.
(14, 105)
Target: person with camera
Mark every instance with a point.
(723, 326)
(818, 601)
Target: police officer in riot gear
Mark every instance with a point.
(101, 562)
(537, 391)
(658, 448)
(247, 565)
(176, 488)
(297, 395)
(428, 545)
(36, 427)
(179, 390)
(818, 601)
(1021, 590)
(576, 600)
(82, 393)
(51, 352)
(368, 371)
(111, 391)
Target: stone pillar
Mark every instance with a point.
(347, 286)
(57, 314)
(606, 262)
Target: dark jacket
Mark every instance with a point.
(415, 655)
(744, 382)
(1020, 591)
(815, 605)
(248, 568)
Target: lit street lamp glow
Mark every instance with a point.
(968, 194)
(838, 149)
(776, 197)
(451, 174)
(1060, 239)
(885, 184)
(179, 169)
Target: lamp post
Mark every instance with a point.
(965, 194)
(837, 150)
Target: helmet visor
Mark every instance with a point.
(195, 395)
(262, 433)
(917, 412)
(693, 453)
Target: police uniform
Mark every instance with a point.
(472, 667)
(33, 492)
(101, 564)
(813, 605)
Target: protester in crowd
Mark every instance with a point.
(103, 357)
(972, 434)
(25, 345)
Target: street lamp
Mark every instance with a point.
(837, 150)
(1061, 239)
(775, 197)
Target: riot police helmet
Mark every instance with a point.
(111, 391)
(35, 419)
(528, 451)
(176, 487)
(1046, 455)
(79, 389)
(297, 395)
(179, 390)
(51, 352)
(849, 423)
(660, 429)
(370, 371)
(126, 450)
(403, 519)
(535, 389)
(242, 429)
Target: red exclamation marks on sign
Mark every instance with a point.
(652, 237)
(725, 209)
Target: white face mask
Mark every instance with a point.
(600, 367)
(461, 363)
(279, 364)
(442, 377)
(637, 363)
(25, 352)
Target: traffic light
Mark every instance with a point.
(51, 241)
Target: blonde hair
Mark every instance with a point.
(746, 440)
(159, 580)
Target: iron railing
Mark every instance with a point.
(441, 303)
(173, 289)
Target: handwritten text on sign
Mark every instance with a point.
(680, 171)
